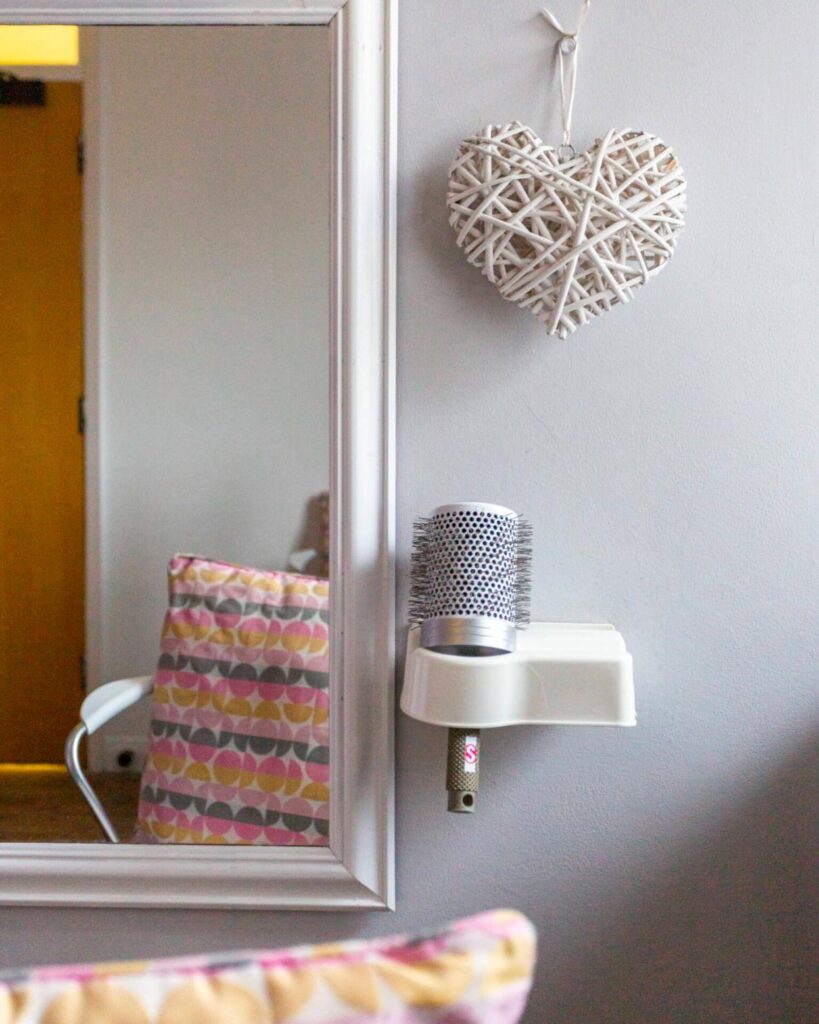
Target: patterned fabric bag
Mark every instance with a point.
(476, 971)
(239, 748)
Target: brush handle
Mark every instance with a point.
(463, 769)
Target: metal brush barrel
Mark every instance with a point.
(470, 563)
(469, 636)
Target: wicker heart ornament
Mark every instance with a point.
(566, 236)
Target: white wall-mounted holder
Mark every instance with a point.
(560, 674)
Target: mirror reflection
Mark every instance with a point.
(164, 550)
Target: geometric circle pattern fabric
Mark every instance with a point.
(476, 971)
(239, 749)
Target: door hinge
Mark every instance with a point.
(81, 414)
(80, 154)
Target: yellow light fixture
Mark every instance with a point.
(33, 45)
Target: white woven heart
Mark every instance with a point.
(566, 239)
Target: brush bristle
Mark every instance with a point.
(419, 579)
(430, 557)
(523, 562)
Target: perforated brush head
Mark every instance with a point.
(471, 578)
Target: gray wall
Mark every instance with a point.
(667, 458)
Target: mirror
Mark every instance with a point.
(287, 863)
(165, 224)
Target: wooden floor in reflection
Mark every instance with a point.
(41, 804)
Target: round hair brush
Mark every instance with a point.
(470, 587)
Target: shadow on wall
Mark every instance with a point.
(720, 935)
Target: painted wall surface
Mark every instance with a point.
(667, 456)
(214, 149)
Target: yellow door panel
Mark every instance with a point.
(41, 450)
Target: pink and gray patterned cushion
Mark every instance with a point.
(476, 971)
(239, 748)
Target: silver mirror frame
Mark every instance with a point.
(356, 870)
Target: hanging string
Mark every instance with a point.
(567, 49)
